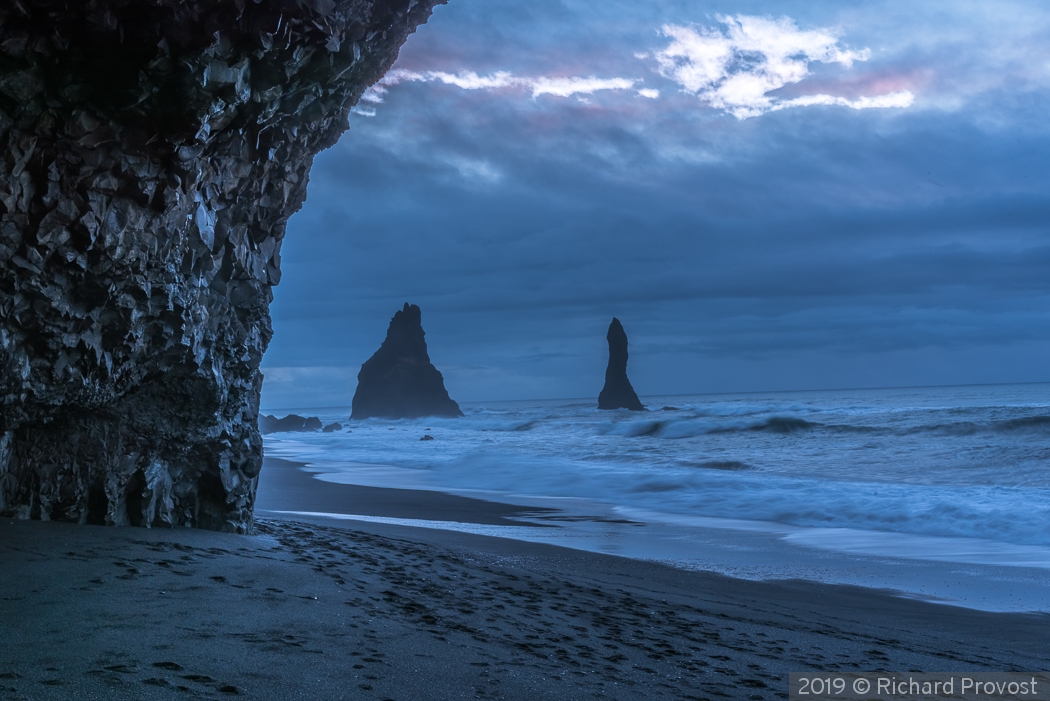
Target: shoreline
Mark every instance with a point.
(744, 550)
(288, 487)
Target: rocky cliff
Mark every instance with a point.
(152, 152)
(618, 392)
(399, 381)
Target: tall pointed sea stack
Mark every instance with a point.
(399, 381)
(618, 393)
(151, 152)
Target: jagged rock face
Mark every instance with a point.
(153, 151)
(618, 392)
(399, 381)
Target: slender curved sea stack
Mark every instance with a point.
(617, 392)
(399, 381)
(151, 152)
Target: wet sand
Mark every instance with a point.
(313, 610)
(286, 487)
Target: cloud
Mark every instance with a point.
(735, 68)
(469, 80)
(900, 99)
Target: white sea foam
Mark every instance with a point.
(954, 475)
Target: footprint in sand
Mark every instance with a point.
(170, 666)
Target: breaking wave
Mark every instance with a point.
(959, 462)
(687, 428)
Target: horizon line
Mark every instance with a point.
(711, 394)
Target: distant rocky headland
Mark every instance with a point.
(618, 392)
(292, 422)
(152, 154)
(399, 381)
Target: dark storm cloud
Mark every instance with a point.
(812, 246)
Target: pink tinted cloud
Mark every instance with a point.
(856, 85)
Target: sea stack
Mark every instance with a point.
(618, 393)
(399, 381)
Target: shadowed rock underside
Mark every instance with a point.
(618, 392)
(399, 381)
(153, 151)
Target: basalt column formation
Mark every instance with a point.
(152, 152)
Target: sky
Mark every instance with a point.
(769, 196)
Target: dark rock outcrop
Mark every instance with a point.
(267, 424)
(617, 392)
(332, 428)
(152, 152)
(291, 423)
(399, 381)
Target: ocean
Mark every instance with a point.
(938, 492)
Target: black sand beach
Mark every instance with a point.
(371, 611)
